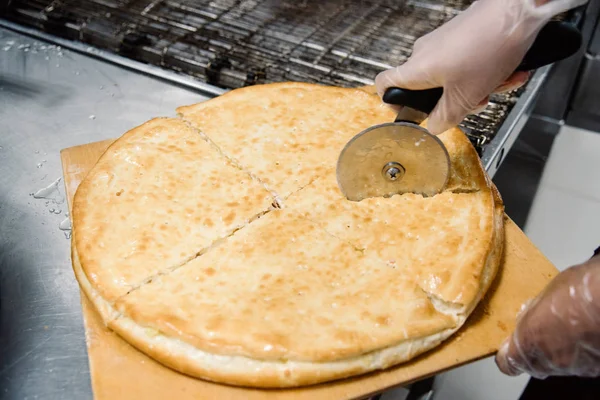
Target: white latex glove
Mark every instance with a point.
(559, 332)
(473, 55)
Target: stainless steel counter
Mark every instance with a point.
(51, 98)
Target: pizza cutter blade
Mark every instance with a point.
(394, 158)
(402, 157)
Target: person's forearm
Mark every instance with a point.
(564, 4)
(542, 2)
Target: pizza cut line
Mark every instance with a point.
(219, 244)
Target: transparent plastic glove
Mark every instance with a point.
(559, 332)
(473, 55)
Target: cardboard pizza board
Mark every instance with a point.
(119, 371)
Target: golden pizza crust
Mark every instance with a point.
(466, 173)
(322, 289)
(106, 311)
(284, 289)
(442, 241)
(243, 371)
(158, 197)
(290, 128)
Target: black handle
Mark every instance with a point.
(556, 41)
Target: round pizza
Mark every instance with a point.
(219, 244)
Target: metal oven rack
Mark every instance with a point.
(232, 43)
(226, 44)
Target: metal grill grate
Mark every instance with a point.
(234, 43)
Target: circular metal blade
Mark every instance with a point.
(368, 164)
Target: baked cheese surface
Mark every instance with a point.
(219, 244)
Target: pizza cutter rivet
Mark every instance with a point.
(393, 171)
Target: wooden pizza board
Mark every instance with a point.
(119, 371)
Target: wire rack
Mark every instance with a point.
(235, 43)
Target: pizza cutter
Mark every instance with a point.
(401, 156)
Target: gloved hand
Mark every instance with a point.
(559, 333)
(473, 55)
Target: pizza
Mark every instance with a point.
(219, 244)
